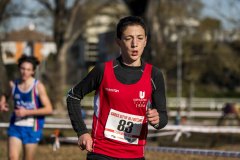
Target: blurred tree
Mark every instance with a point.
(137, 7)
(194, 53)
(230, 13)
(222, 66)
(4, 85)
(167, 17)
(210, 24)
(221, 57)
(69, 22)
(4, 79)
(170, 21)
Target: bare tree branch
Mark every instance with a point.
(20, 15)
(232, 14)
(4, 87)
(47, 5)
(77, 21)
(3, 4)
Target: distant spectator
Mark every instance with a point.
(230, 109)
(177, 120)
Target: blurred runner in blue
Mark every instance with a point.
(31, 104)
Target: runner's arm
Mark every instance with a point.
(159, 98)
(4, 96)
(76, 94)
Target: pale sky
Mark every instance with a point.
(211, 9)
(214, 8)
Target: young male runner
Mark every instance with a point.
(130, 94)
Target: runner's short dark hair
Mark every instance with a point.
(129, 21)
(31, 59)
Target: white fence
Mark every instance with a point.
(209, 108)
(204, 103)
(173, 102)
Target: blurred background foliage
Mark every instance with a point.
(210, 61)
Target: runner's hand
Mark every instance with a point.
(3, 107)
(20, 112)
(153, 117)
(85, 142)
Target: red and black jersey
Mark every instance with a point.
(124, 76)
(120, 115)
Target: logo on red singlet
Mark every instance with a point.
(141, 101)
(112, 90)
(141, 94)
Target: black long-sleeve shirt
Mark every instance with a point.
(126, 75)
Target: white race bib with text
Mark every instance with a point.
(123, 127)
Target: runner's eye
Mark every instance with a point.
(127, 38)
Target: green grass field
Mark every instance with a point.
(228, 142)
(72, 152)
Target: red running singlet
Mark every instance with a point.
(119, 121)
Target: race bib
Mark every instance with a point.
(26, 122)
(123, 127)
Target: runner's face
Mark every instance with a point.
(26, 70)
(132, 44)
